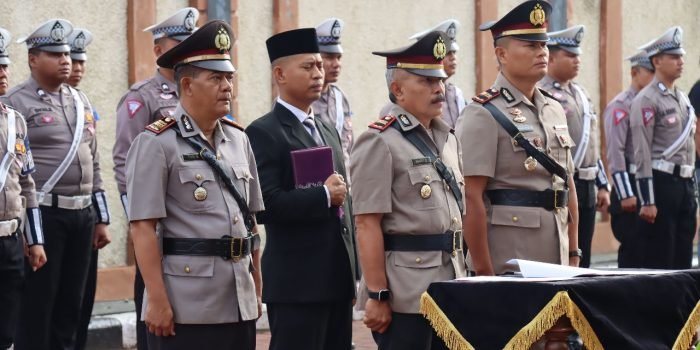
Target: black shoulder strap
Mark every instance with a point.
(210, 158)
(441, 168)
(547, 162)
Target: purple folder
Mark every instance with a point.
(312, 166)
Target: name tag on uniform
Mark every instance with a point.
(525, 128)
(421, 161)
(191, 156)
(561, 127)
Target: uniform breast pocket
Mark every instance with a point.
(426, 185)
(242, 179)
(198, 187)
(521, 217)
(188, 266)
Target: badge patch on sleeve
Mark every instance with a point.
(619, 115)
(28, 164)
(133, 107)
(648, 115)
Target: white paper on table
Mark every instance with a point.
(535, 269)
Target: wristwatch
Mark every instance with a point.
(381, 295)
(574, 253)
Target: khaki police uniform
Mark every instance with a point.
(77, 201)
(17, 194)
(663, 129)
(519, 232)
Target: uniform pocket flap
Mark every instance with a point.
(515, 216)
(423, 174)
(196, 175)
(242, 172)
(188, 266)
(418, 260)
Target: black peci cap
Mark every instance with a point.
(292, 42)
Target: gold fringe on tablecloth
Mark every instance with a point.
(685, 338)
(442, 325)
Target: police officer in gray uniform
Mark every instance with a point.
(194, 174)
(564, 60)
(73, 204)
(18, 190)
(663, 130)
(144, 103)
(620, 153)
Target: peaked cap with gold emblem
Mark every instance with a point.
(527, 22)
(424, 57)
(209, 48)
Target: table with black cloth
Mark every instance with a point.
(660, 311)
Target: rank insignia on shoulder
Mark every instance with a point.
(383, 122)
(161, 125)
(486, 96)
(548, 94)
(232, 123)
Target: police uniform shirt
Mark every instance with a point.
(454, 104)
(324, 108)
(572, 103)
(658, 118)
(19, 183)
(51, 123)
(163, 174)
(618, 137)
(389, 174)
(146, 102)
(514, 231)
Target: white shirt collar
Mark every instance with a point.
(301, 115)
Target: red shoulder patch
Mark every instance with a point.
(161, 125)
(232, 123)
(648, 114)
(133, 106)
(383, 122)
(486, 96)
(619, 115)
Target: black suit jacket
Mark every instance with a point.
(309, 253)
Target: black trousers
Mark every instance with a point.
(317, 326)
(88, 303)
(11, 279)
(668, 242)
(585, 191)
(53, 295)
(225, 336)
(408, 332)
(141, 330)
(624, 228)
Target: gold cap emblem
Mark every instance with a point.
(537, 16)
(222, 40)
(439, 49)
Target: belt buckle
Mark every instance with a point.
(457, 243)
(236, 256)
(556, 197)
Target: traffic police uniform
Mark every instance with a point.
(78, 40)
(144, 103)
(620, 153)
(454, 97)
(395, 178)
(663, 128)
(536, 230)
(17, 193)
(333, 107)
(70, 193)
(583, 128)
(212, 294)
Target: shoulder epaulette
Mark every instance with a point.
(161, 125)
(486, 96)
(139, 84)
(547, 93)
(382, 123)
(232, 123)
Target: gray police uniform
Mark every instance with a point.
(70, 207)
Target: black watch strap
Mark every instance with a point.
(575, 253)
(381, 295)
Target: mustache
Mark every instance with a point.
(438, 98)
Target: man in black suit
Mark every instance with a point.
(308, 262)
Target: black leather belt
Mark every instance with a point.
(450, 241)
(547, 199)
(227, 247)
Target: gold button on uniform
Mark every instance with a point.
(187, 269)
(198, 176)
(235, 219)
(426, 178)
(515, 219)
(419, 260)
(455, 220)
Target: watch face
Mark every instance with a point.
(383, 295)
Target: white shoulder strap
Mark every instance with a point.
(683, 138)
(460, 100)
(339, 113)
(72, 151)
(582, 145)
(9, 157)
